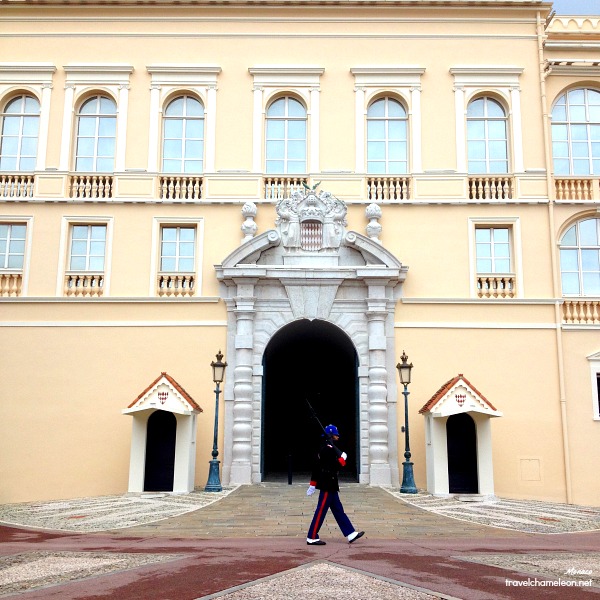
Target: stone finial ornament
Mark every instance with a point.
(373, 213)
(249, 227)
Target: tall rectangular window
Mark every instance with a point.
(12, 245)
(177, 249)
(492, 246)
(88, 248)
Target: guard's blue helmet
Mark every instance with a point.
(332, 430)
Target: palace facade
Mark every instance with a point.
(312, 188)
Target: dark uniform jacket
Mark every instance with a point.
(325, 472)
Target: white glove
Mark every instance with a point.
(344, 455)
(311, 490)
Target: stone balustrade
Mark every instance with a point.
(388, 189)
(496, 286)
(279, 187)
(91, 187)
(180, 188)
(84, 284)
(10, 284)
(583, 311)
(176, 285)
(16, 185)
(490, 187)
(576, 188)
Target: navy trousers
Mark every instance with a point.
(329, 500)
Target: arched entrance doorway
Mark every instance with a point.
(462, 454)
(160, 452)
(314, 360)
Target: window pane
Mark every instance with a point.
(98, 232)
(559, 113)
(559, 132)
(105, 165)
(591, 284)
(483, 235)
(107, 106)
(560, 149)
(484, 265)
(397, 167)
(502, 266)
(193, 149)
(581, 167)
(10, 146)
(297, 150)
(475, 130)
(577, 113)
(569, 260)
(167, 264)
(275, 129)
(28, 146)
(570, 239)
(194, 129)
(377, 109)
(186, 265)
(17, 247)
(87, 126)
(194, 108)
(570, 283)
(376, 150)
(80, 232)
(295, 109)
(172, 166)
(476, 150)
(297, 130)
(169, 234)
(8, 163)
(173, 128)
(296, 166)
(475, 108)
(395, 109)
(90, 107)
(187, 234)
(501, 235)
(275, 149)
(397, 130)
(588, 232)
(172, 149)
(277, 108)
(30, 125)
(77, 263)
(580, 149)
(494, 109)
(175, 108)
(376, 130)
(17, 232)
(106, 146)
(497, 150)
(397, 151)
(578, 132)
(96, 263)
(97, 249)
(15, 262)
(107, 126)
(497, 130)
(192, 166)
(589, 260)
(561, 167)
(477, 166)
(275, 166)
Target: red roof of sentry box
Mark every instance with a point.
(447, 387)
(183, 393)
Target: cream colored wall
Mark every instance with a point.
(62, 431)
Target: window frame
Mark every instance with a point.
(487, 140)
(513, 224)
(24, 271)
(184, 118)
(177, 257)
(578, 247)
(588, 123)
(22, 115)
(155, 260)
(286, 119)
(386, 119)
(97, 116)
(65, 250)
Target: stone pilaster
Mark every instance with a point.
(241, 454)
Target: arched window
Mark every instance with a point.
(286, 136)
(487, 136)
(20, 124)
(580, 259)
(96, 135)
(183, 136)
(576, 133)
(387, 138)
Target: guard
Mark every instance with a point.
(325, 478)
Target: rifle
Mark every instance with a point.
(329, 438)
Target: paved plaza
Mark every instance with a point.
(247, 543)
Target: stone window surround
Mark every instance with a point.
(34, 79)
(64, 248)
(514, 224)
(272, 80)
(403, 81)
(157, 225)
(82, 79)
(28, 222)
(167, 80)
(503, 81)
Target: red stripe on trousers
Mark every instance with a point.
(316, 528)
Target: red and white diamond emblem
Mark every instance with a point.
(162, 396)
(460, 398)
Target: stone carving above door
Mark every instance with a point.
(311, 222)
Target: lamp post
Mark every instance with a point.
(214, 482)
(408, 480)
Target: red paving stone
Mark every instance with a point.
(209, 566)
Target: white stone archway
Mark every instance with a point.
(164, 393)
(458, 396)
(310, 267)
